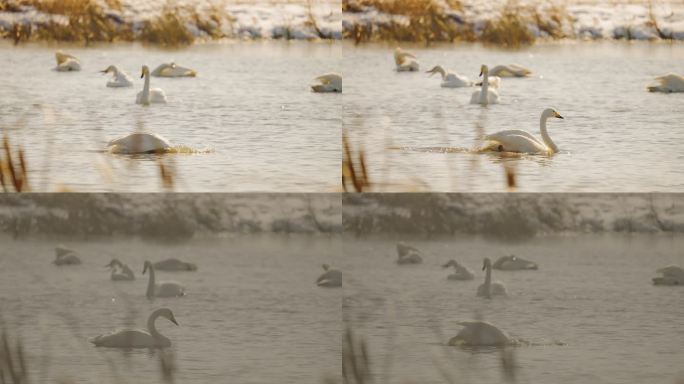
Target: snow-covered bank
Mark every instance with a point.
(512, 215)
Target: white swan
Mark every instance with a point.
(513, 263)
(511, 70)
(173, 70)
(126, 273)
(147, 95)
(329, 82)
(138, 338)
(516, 140)
(671, 82)
(329, 278)
(174, 264)
(485, 95)
(489, 289)
(671, 275)
(65, 256)
(66, 62)
(405, 61)
(450, 79)
(480, 333)
(460, 271)
(408, 254)
(120, 79)
(494, 82)
(161, 289)
(138, 143)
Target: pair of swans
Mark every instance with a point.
(516, 140)
(460, 271)
(489, 288)
(669, 83)
(327, 83)
(671, 275)
(65, 256)
(405, 61)
(147, 95)
(120, 271)
(66, 62)
(514, 263)
(408, 254)
(329, 278)
(138, 338)
(162, 288)
(119, 80)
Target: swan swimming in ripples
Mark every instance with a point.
(329, 278)
(480, 333)
(405, 61)
(516, 140)
(460, 271)
(125, 274)
(511, 70)
(173, 70)
(671, 275)
(328, 83)
(174, 264)
(450, 79)
(161, 289)
(489, 289)
(139, 143)
(408, 254)
(671, 82)
(120, 79)
(66, 62)
(65, 256)
(147, 95)
(514, 263)
(485, 95)
(138, 338)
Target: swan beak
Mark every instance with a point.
(173, 320)
(142, 74)
(480, 73)
(560, 117)
(104, 71)
(484, 266)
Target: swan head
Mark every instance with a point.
(486, 263)
(550, 112)
(435, 69)
(111, 68)
(113, 263)
(325, 267)
(145, 71)
(167, 314)
(450, 263)
(484, 70)
(146, 266)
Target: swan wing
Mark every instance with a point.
(516, 140)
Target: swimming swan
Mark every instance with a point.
(408, 254)
(173, 264)
(66, 62)
(65, 256)
(516, 140)
(405, 61)
(120, 79)
(330, 82)
(450, 79)
(147, 95)
(671, 275)
(126, 273)
(511, 70)
(173, 70)
(161, 289)
(489, 289)
(460, 272)
(330, 278)
(671, 82)
(138, 143)
(513, 263)
(138, 338)
(485, 95)
(480, 333)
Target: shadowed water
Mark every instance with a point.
(616, 136)
(250, 109)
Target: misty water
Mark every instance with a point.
(616, 136)
(252, 312)
(249, 112)
(589, 314)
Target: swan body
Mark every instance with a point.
(405, 61)
(174, 264)
(138, 338)
(161, 289)
(485, 95)
(173, 70)
(147, 95)
(66, 62)
(124, 273)
(668, 83)
(514, 263)
(329, 278)
(460, 272)
(489, 289)
(139, 143)
(328, 83)
(480, 333)
(511, 70)
(516, 140)
(671, 275)
(450, 79)
(65, 256)
(120, 79)
(408, 254)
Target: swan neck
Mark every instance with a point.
(485, 88)
(488, 280)
(150, 284)
(146, 88)
(545, 135)
(150, 326)
(442, 72)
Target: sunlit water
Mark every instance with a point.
(252, 312)
(616, 136)
(250, 107)
(592, 293)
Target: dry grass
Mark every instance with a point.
(12, 361)
(13, 171)
(508, 30)
(168, 29)
(354, 172)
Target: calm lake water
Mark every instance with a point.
(250, 107)
(252, 312)
(616, 136)
(593, 293)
